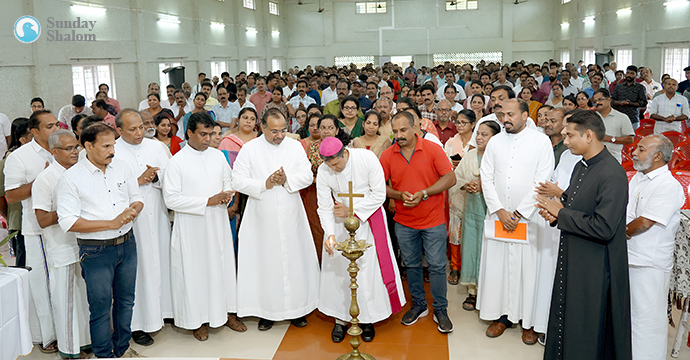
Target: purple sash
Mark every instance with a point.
(378, 229)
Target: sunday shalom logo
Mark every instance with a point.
(64, 34)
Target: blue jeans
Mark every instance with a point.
(433, 242)
(110, 273)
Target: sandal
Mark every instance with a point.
(470, 303)
(201, 333)
(51, 348)
(235, 323)
(454, 277)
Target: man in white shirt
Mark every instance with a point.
(169, 101)
(289, 89)
(499, 95)
(78, 106)
(502, 80)
(649, 84)
(67, 287)
(21, 169)
(669, 109)
(653, 215)
(197, 88)
(5, 130)
(277, 271)
(225, 110)
(181, 107)
(197, 185)
(330, 93)
(459, 96)
(301, 101)
(153, 88)
(619, 130)
(98, 198)
(147, 160)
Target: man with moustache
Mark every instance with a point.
(146, 159)
(619, 130)
(225, 110)
(552, 128)
(302, 100)
(630, 96)
(169, 101)
(181, 108)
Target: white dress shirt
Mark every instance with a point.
(86, 192)
(460, 96)
(306, 100)
(657, 196)
(187, 108)
(67, 112)
(663, 106)
(328, 95)
(22, 167)
(652, 87)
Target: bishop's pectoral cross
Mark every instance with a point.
(352, 197)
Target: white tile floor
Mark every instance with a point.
(466, 342)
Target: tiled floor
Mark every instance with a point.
(393, 340)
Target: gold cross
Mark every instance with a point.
(352, 196)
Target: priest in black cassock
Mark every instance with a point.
(590, 303)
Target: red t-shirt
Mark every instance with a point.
(427, 164)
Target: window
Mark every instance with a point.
(163, 78)
(86, 78)
(360, 61)
(565, 56)
(565, 1)
(252, 66)
(370, 7)
(461, 5)
(402, 61)
(273, 8)
(249, 4)
(468, 58)
(217, 68)
(275, 64)
(675, 60)
(623, 58)
(589, 57)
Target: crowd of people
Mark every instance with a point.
(223, 200)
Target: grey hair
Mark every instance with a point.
(665, 147)
(54, 138)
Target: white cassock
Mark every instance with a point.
(512, 166)
(364, 170)
(202, 258)
(548, 250)
(278, 271)
(67, 287)
(152, 231)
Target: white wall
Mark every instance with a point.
(419, 28)
(130, 37)
(647, 30)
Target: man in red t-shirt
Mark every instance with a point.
(419, 172)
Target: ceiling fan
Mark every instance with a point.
(518, 2)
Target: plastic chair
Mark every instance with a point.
(676, 158)
(644, 131)
(686, 131)
(630, 174)
(683, 178)
(647, 123)
(629, 148)
(684, 149)
(682, 165)
(675, 137)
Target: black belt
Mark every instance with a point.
(109, 242)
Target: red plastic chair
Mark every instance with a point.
(683, 178)
(628, 149)
(675, 137)
(682, 165)
(630, 174)
(647, 123)
(686, 131)
(676, 158)
(625, 157)
(644, 131)
(684, 149)
(628, 165)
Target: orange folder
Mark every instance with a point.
(520, 233)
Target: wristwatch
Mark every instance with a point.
(613, 140)
(426, 195)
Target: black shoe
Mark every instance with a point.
(338, 333)
(368, 332)
(444, 324)
(142, 338)
(412, 315)
(299, 322)
(265, 324)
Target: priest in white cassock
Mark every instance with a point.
(147, 160)
(514, 163)
(197, 185)
(380, 291)
(67, 286)
(278, 271)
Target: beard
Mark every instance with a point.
(642, 165)
(150, 133)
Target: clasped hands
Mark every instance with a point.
(222, 197)
(148, 175)
(548, 208)
(277, 178)
(473, 187)
(411, 200)
(126, 216)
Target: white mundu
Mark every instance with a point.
(364, 170)
(202, 258)
(67, 286)
(21, 167)
(152, 231)
(513, 164)
(277, 270)
(656, 196)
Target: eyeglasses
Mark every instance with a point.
(276, 132)
(69, 149)
(463, 123)
(443, 110)
(352, 108)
